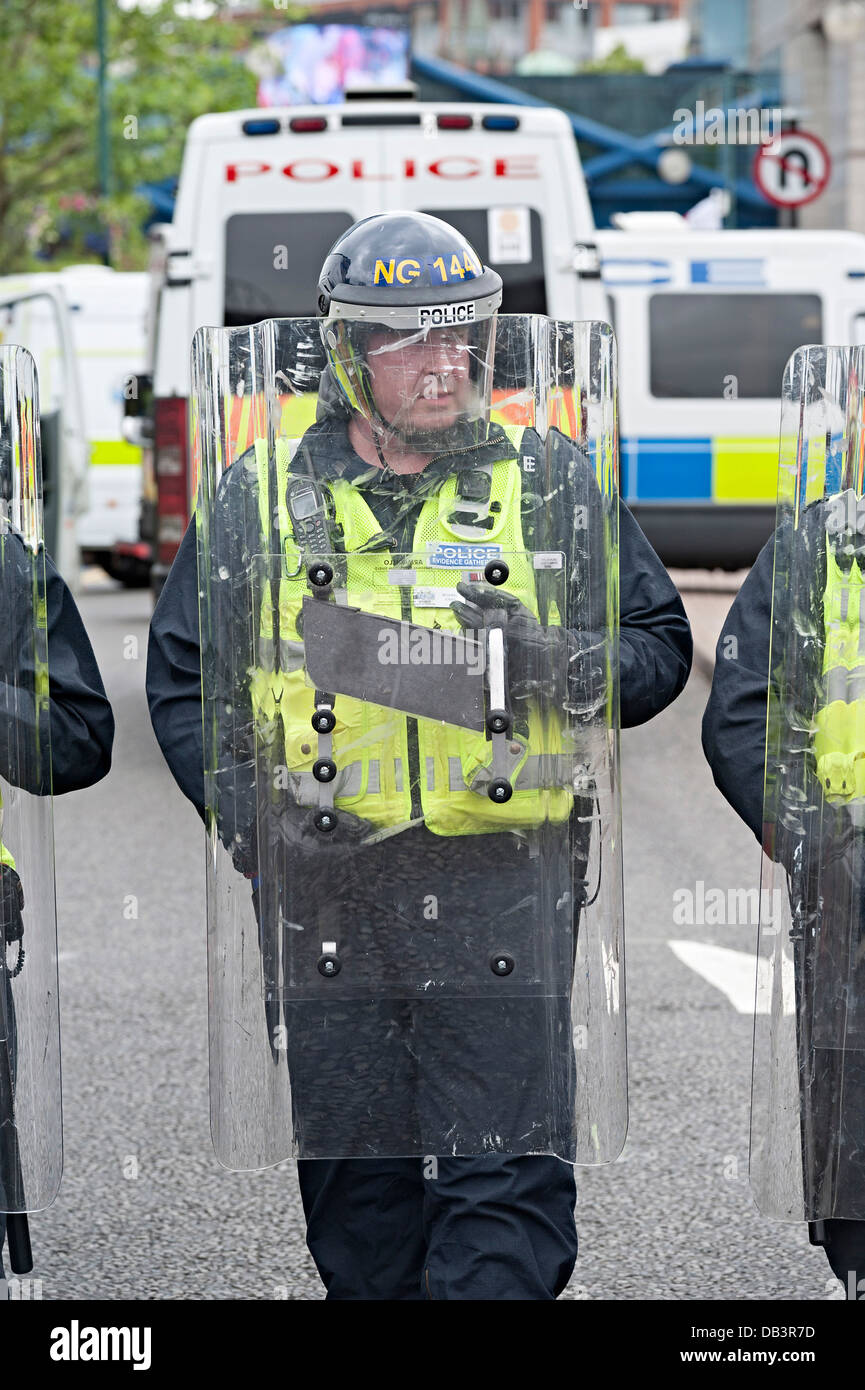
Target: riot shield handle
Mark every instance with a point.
(324, 768)
(499, 719)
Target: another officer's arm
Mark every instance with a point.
(655, 647)
(81, 722)
(173, 679)
(174, 690)
(734, 723)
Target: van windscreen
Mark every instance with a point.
(273, 261)
(727, 346)
(519, 256)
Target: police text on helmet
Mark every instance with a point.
(438, 315)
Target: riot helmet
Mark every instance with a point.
(408, 326)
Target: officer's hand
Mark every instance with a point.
(11, 905)
(244, 853)
(293, 829)
(537, 656)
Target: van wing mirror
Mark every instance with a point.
(137, 396)
(137, 424)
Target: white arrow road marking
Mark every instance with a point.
(732, 972)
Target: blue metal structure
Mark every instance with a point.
(620, 150)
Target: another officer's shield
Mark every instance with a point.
(31, 1145)
(808, 1109)
(410, 678)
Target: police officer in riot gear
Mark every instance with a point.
(782, 732)
(734, 742)
(56, 735)
(404, 442)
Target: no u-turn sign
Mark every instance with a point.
(792, 169)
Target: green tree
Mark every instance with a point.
(163, 71)
(617, 60)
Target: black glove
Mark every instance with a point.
(288, 828)
(11, 919)
(543, 662)
(11, 904)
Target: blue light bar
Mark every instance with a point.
(500, 122)
(268, 126)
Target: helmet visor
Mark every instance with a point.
(426, 388)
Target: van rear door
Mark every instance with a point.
(269, 206)
(35, 314)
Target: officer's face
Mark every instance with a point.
(420, 380)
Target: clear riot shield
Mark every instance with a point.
(31, 1146)
(808, 1103)
(410, 686)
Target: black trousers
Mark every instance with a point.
(844, 1244)
(10, 1180)
(490, 1228)
(830, 991)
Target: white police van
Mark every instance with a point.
(705, 322)
(86, 328)
(34, 313)
(263, 195)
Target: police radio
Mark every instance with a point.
(310, 517)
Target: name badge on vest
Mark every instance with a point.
(425, 597)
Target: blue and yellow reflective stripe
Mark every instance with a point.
(724, 470)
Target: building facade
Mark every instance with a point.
(819, 48)
(495, 35)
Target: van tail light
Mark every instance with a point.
(454, 121)
(171, 450)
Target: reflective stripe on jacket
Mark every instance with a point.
(839, 741)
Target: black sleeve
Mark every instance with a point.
(175, 659)
(655, 647)
(173, 680)
(734, 723)
(81, 721)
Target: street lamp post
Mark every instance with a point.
(104, 146)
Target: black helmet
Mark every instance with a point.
(398, 260)
(407, 280)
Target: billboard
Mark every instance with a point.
(309, 63)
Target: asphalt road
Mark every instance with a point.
(145, 1212)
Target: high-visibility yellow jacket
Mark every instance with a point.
(394, 769)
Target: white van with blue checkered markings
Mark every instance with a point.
(705, 322)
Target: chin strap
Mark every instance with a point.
(381, 458)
